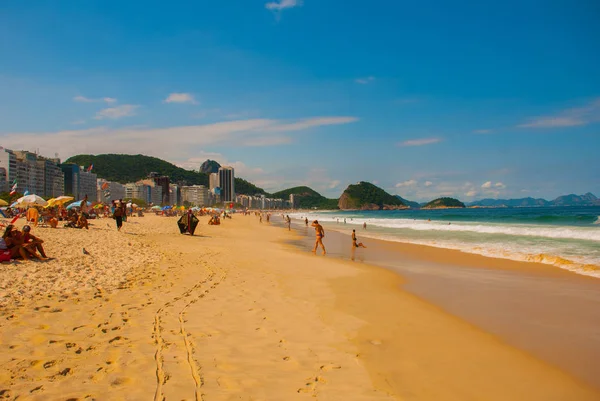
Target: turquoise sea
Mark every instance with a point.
(567, 237)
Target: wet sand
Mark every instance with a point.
(234, 313)
(552, 313)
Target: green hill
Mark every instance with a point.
(307, 198)
(366, 196)
(411, 204)
(442, 203)
(132, 168)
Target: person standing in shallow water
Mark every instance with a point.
(306, 221)
(320, 234)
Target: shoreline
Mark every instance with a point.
(549, 312)
(236, 311)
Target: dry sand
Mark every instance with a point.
(234, 314)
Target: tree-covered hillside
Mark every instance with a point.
(443, 203)
(307, 198)
(365, 195)
(132, 168)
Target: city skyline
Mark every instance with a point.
(471, 101)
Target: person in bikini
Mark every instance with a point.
(320, 234)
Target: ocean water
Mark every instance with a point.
(567, 237)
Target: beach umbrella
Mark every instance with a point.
(155, 207)
(77, 204)
(32, 200)
(62, 200)
(3, 202)
(166, 207)
(99, 206)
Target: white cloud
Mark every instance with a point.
(310, 123)
(125, 110)
(334, 184)
(428, 183)
(169, 143)
(282, 4)
(482, 131)
(180, 98)
(490, 185)
(420, 142)
(471, 193)
(364, 81)
(83, 99)
(409, 183)
(568, 118)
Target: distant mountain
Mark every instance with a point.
(587, 199)
(132, 168)
(411, 204)
(521, 202)
(442, 203)
(209, 166)
(307, 198)
(366, 196)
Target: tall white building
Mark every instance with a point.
(174, 194)
(196, 195)
(213, 181)
(30, 174)
(227, 183)
(8, 161)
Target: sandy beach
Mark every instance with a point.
(239, 313)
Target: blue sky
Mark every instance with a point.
(469, 99)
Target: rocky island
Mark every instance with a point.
(444, 203)
(366, 196)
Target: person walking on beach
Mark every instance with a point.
(365, 225)
(354, 241)
(320, 234)
(123, 207)
(118, 215)
(289, 222)
(306, 221)
(83, 207)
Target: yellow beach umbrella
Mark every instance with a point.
(50, 202)
(3, 202)
(61, 200)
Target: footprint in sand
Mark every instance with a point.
(49, 364)
(66, 371)
(328, 367)
(117, 338)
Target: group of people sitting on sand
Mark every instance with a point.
(20, 244)
(215, 220)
